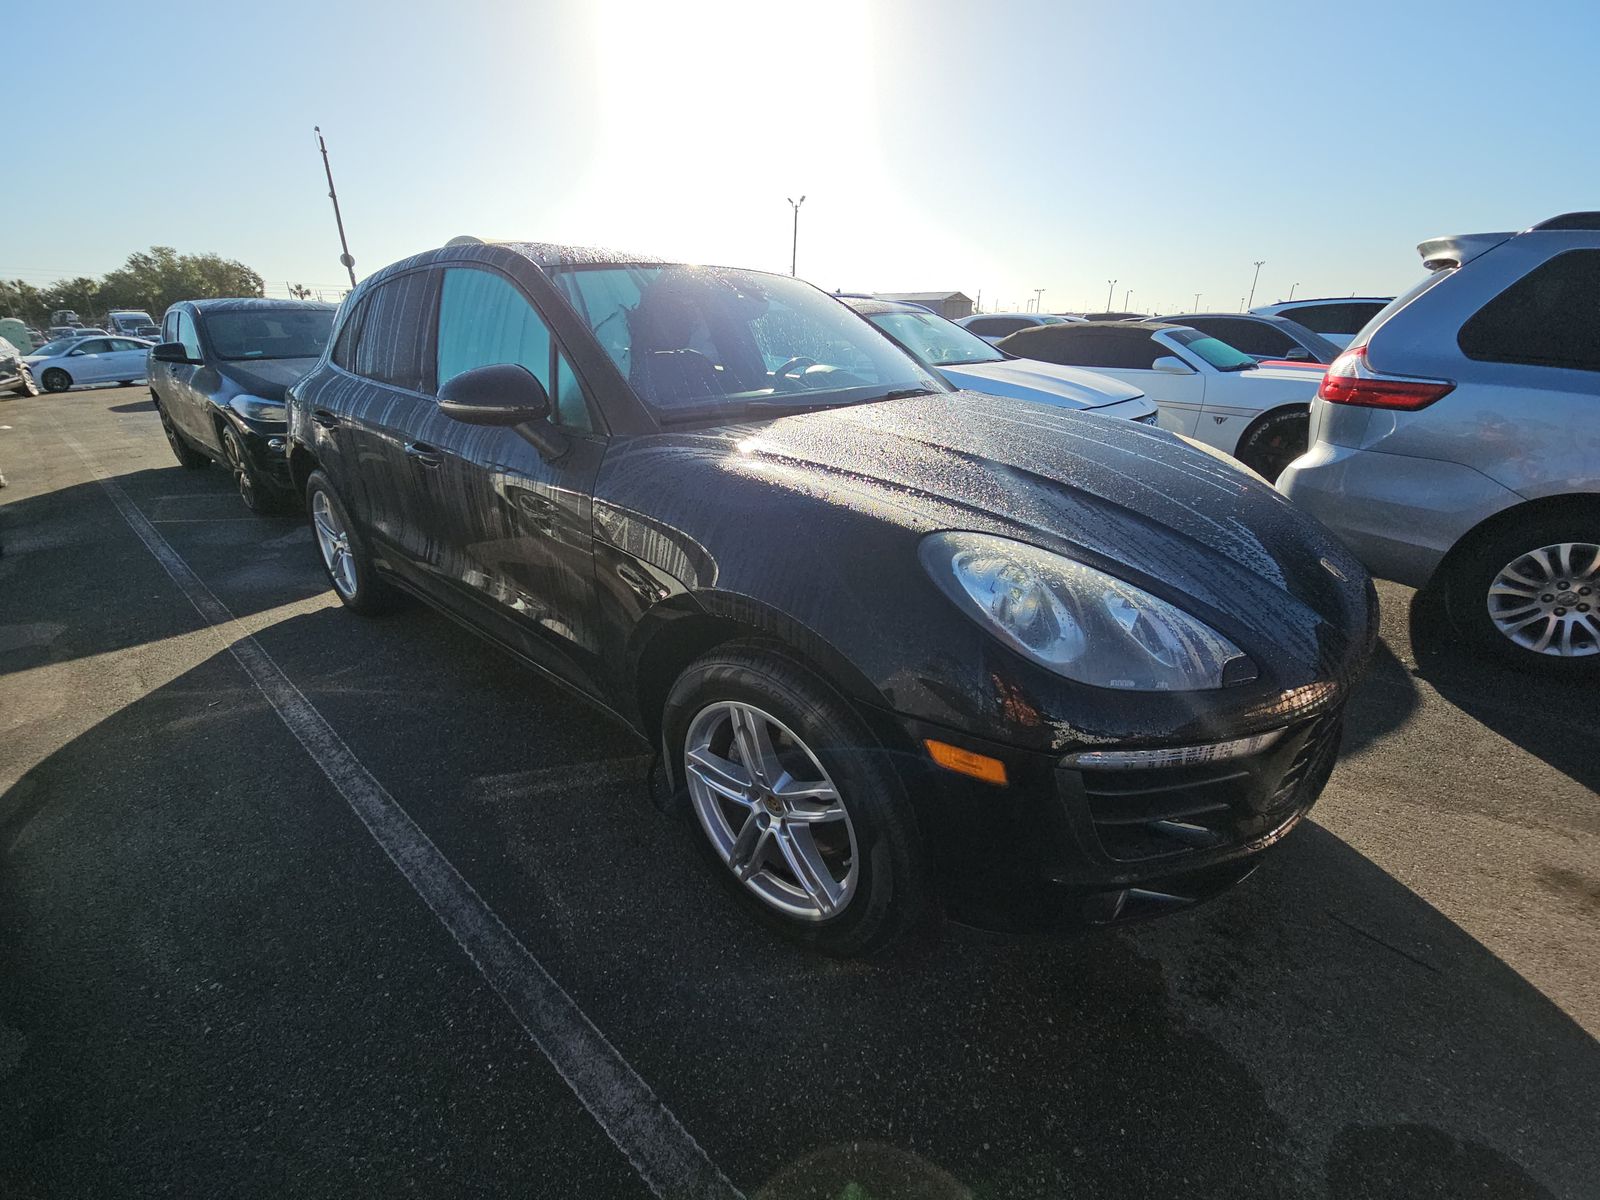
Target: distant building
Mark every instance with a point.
(950, 305)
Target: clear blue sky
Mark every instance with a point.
(940, 143)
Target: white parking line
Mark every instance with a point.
(665, 1154)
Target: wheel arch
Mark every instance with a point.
(1497, 522)
(1277, 410)
(302, 462)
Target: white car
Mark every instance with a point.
(1337, 318)
(75, 361)
(991, 327)
(1207, 390)
(969, 362)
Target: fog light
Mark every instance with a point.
(1173, 756)
(965, 762)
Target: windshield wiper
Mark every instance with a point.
(904, 394)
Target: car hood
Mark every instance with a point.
(1128, 498)
(268, 378)
(1025, 379)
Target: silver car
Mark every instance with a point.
(1457, 441)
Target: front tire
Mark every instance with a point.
(344, 555)
(1529, 593)
(818, 839)
(55, 380)
(1274, 441)
(188, 457)
(257, 496)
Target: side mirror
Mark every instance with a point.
(500, 394)
(171, 352)
(1171, 365)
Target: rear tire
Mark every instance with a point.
(877, 888)
(188, 457)
(55, 380)
(1504, 593)
(1274, 441)
(344, 555)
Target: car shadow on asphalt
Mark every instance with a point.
(1320, 1029)
(1557, 719)
(145, 405)
(69, 561)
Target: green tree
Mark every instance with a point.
(81, 295)
(19, 298)
(154, 279)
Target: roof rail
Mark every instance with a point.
(464, 239)
(1571, 220)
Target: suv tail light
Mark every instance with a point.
(1351, 381)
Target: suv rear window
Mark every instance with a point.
(1548, 318)
(1348, 316)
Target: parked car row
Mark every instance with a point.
(912, 619)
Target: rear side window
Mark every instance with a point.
(188, 335)
(1548, 318)
(169, 327)
(1345, 317)
(344, 350)
(484, 320)
(394, 344)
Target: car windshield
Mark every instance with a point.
(269, 333)
(1047, 319)
(933, 341)
(700, 342)
(59, 346)
(1214, 351)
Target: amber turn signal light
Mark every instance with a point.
(965, 762)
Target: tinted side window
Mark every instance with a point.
(98, 346)
(1335, 318)
(485, 320)
(344, 350)
(1057, 345)
(187, 335)
(1253, 337)
(395, 342)
(169, 327)
(1548, 318)
(1130, 350)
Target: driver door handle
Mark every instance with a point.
(324, 418)
(423, 454)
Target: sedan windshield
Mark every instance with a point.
(700, 342)
(59, 346)
(269, 333)
(935, 342)
(1213, 350)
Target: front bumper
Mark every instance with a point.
(1059, 846)
(1399, 515)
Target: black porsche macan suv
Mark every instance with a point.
(899, 646)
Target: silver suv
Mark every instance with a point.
(1456, 442)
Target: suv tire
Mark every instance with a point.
(344, 555)
(188, 457)
(1516, 560)
(873, 854)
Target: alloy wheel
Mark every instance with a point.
(334, 541)
(1548, 600)
(771, 811)
(241, 472)
(56, 380)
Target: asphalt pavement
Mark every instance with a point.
(297, 903)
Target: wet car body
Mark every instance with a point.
(202, 393)
(615, 561)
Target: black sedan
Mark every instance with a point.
(218, 378)
(898, 646)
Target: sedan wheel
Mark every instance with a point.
(772, 813)
(1548, 600)
(1274, 442)
(55, 380)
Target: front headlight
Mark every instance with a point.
(1080, 622)
(254, 408)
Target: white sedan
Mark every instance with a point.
(1207, 390)
(969, 362)
(75, 361)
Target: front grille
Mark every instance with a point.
(1168, 811)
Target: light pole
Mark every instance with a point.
(1197, 302)
(1111, 286)
(1125, 296)
(1291, 290)
(794, 245)
(345, 260)
(1038, 296)
(1257, 276)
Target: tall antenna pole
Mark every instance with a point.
(1253, 280)
(345, 258)
(1111, 286)
(794, 245)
